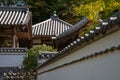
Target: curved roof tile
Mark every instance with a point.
(52, 27)
(14, 15)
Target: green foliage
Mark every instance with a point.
(30, 62)
(42, 9)
(5, 42)
(40, 48)
(11, 2)
(110, 7)
(6, 2)
(90, 10)
(97, 9)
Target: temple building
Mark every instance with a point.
(44, 31)
(15, 27)
(56, 32)
(62, 40)
(15, 38)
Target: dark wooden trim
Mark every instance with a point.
(5, 33)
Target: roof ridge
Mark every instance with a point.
(14, 8)
(53, 19)
(64, 21)
(41, 22)
(76, 26)
(13, 50)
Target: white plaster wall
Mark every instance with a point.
(104, 67)
(101, 44)
(41, 60)
(11, 60)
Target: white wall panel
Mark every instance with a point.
(11, 60)
(104, 67)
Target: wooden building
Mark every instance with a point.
(93, 56)
(15, 27)
(44, 31)
(62, 40)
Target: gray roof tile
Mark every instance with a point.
(14, 15)
(13, 50)
(75, 27)
(51, 27)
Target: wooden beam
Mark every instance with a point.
(5, 33)
(67, 37)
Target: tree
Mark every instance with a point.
(42, 9)
(5, 42)
(12, 2)
(30, 62)
(6, 2)
(97, 9)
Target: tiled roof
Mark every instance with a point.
(14, 15)
(8, 69)
(46, 55)
(13, 50)
(101, 28)
(53, 26)
(75, 27)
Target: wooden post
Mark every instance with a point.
(41, 40)
(53, 43)
(15, 42)
(29, 33)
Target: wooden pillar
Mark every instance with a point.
(30, 35)
(41, 40)
(53, 43)
(15, 42)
